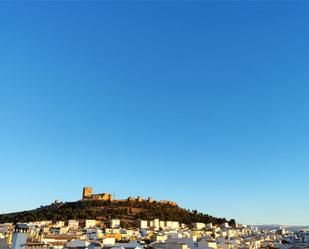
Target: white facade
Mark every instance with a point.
(59, 224)
(156, 223)
(175, 225)
(209, 225)
(160, 237)
(225, 225)
(90, 223)
(199, 226)
(143, 224)
(109, 241)
(168, 224)
(73, 224)
(115, 223)
(161, 224)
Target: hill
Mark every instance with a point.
(126, 211)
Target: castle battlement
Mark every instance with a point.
(89, 195)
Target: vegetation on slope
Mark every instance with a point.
(126, 211)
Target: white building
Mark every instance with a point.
(108, 242)
(59, 223)
(168, 224)
(143, 224)
(209, 225)
(160, 237)
(115, 223)
(90, 223)
(161, 224)
(225, 225)
(175, 225)
(156, 224)
(199, 226)
(73, 224)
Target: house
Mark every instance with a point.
(143, 224)
(115, 223)
(73, 224)
(199, 226)
(90, 223)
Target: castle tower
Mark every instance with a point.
(20, 236)
(87, 192)
(110, 197)
(131, 199)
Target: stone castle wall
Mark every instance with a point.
(89, 195)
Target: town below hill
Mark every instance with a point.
(98, 221)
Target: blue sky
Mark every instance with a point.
(203, 103)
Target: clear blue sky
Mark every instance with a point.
(205, 104)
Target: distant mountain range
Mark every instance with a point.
(278, 226)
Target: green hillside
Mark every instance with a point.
(126, 211)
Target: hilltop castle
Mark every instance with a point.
(89, 195)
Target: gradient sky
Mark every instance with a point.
(205, 104)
